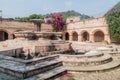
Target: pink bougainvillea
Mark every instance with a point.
(57, 21)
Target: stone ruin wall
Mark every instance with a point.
(91, 26)
(11, 26)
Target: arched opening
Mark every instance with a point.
(75, 36)
(13, 36)
(67, 36)
(98, 36)
(3, 35)
(18, 30)
(85, 36)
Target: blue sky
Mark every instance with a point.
(21, 8)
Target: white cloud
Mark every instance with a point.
(45, 8)
(69, 3)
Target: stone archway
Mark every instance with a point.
(66, 36)
(98, 36)
(13, 36)
(75, 36)
(85, 36)
(18, 30)
(3, 35)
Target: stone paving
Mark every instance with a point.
(102, 75)
(110, 71)
(108, 74)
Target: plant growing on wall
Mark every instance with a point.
(113, 20)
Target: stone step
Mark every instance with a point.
(87, 61)
(107, 66)
(22, 71)
(66, 56)
(49, 75)
(29, 61)
(102, 58)
(114, 53)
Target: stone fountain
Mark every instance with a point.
(33, 58)
(41, 43)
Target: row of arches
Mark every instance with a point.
(98, 36)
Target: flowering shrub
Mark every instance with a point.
(57, 21)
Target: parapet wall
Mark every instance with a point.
(89, 23)
(12, 25)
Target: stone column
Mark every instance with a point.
(107, 38)
(91, 38)
(80, 38)
(71, 38)
(10, 36)
(37, 26)
(3, 36)
(63, 36)
(0, 36)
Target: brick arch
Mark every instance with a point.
(74, 36)
(83, 32)
(85, 35)
(94, 31)
(9, 34)
(67, 35)
(99, 35)
(4, 35)
(6, 31)
(18, 30)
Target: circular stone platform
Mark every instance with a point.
(91, 61)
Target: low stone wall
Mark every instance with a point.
(85, 60)
(92, 63)
(85, 46)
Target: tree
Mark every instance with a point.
(36, 16)
(113, 20)
(33, 16)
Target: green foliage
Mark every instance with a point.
(74, 13)
(70, 13)
(65, 14)
(33, 16)
(22, 19)
(113, 20)
(117, 6)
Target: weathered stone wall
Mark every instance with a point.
(11, 26)
(96, 29)
(46, 27)
(91, 26)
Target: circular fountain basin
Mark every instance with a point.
(93, 52)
